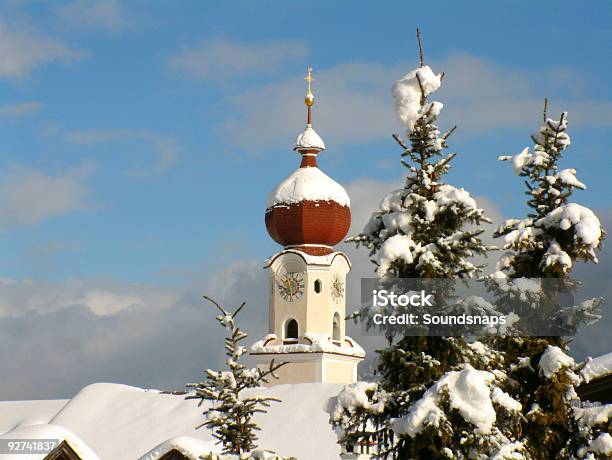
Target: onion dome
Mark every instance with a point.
(308, 211)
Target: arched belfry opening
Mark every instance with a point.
(336, 327)
(291, 330)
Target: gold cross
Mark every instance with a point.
(309, 79)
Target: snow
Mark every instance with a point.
(555, 256)
(568, 177)
(593, 415)
(587, 227)
(192, 448)
(552, 132)
(309, 140)
(511, 451)
(319, 343)
(310, 184)
(518, 161)
(506, 401)
(48, 431)
(398, 247)
(602, 444)
(407, 95)
(597, 367)
(468, 391)
(354, 397)
(552, 360)
(14, 414)
(452, 197)
(124, 423)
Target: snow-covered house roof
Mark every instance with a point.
(111, 421)
(597, 376)
(48, 431)
(190, 448)
(597, 368)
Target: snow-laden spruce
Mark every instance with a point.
(436, 396)
(557, 231)
(231, 413)
(542, 249)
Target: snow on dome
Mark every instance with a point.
(309, 139)
(597, 367)
(308, 184)
(407, 95)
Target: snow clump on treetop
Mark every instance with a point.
(409, 92)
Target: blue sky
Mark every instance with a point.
(140, 139)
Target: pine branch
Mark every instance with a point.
(400, 142)
(216, 304)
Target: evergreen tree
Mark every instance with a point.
(435, 397)
(231, 413)
(542, 246)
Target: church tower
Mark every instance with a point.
(308, 213)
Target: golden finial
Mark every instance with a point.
(309, 99)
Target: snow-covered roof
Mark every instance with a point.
(308, 184)
(191, 448)
(124, 423)
(14, 414)
(597, 367)
(309, 140)
(48, 432)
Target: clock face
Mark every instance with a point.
(291, 286)
(337, 288)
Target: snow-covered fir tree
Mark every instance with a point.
(546, 244)
(436, 397)
(231, 411)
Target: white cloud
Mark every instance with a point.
(100, 297)
(219, 59)
(19, 109)
(354, 103)
(23, 50)
(165, 147)
(106, 15)
(29, 196)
